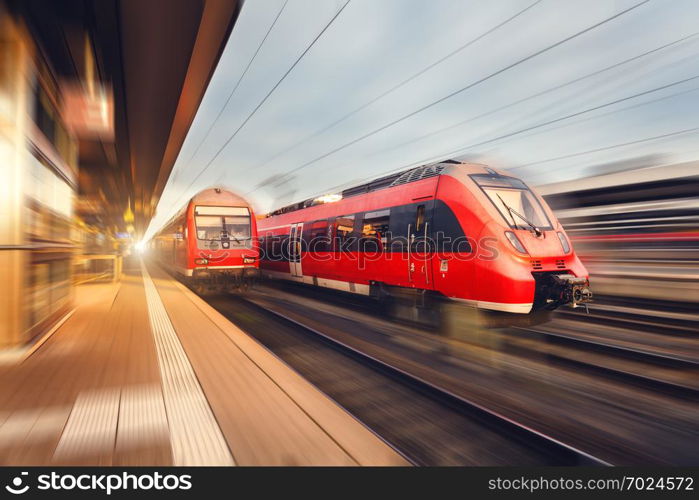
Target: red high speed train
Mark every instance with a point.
(462, 231)
(211, 243)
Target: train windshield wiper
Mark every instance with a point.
(225, 232)
(236, 239)
(512, 211)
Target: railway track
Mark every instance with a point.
(656, 321)
(427, 424)
(645, 346)
(637, 352)
(668, 372)
(645, 365)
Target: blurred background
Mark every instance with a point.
(114, 113)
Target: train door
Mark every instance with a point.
(420, 248)
(295, 235)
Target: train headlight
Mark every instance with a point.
(564, 243)
(248, 260)
(201, 262)
(514, 241)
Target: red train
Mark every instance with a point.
(456, 230)
(211, 242)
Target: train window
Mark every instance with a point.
(402, 218)
(375, 231)
(317, 236)
(210, 210)
(238, 228)
(420, 218)
(344, 229)
(211, 229)
(519, 207)
(498, 181)
(447, 232)
(515, 202)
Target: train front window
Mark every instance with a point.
(515, 202)
(219, 225)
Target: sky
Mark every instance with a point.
(310, 96)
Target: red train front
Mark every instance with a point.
(211, 243)
(462, 231)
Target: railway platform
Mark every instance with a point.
(144, 372)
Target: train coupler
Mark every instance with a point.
(576, 291)
(554, 290)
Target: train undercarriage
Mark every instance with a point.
(553, 290)
(211, 281)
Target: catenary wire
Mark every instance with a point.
(394, 87)
(259, 105)
(471, 85)
(536, 95)
(237, 83)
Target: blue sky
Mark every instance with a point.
(514, 86)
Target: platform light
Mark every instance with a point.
(140, 246)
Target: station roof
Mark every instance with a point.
(156, 57)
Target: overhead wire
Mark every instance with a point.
(460, 150)
(538, 94)
(237, 84)
(606, 148)
(395, 87)
(462, 89)
(264, 99)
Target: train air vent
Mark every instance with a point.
(560, 264)
(536, 265)
(419, 173)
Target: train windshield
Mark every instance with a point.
(222, 227)
(514, 200)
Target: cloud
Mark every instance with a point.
(374, 45)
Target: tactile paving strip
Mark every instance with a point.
(196, 437)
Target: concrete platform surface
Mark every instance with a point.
(144, 372)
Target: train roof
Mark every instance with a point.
(218, 195)
(396, 179)
(213, 195)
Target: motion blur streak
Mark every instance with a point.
(548, 149)
(638, 232)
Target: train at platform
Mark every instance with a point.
(459, 231)
(211, 243)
